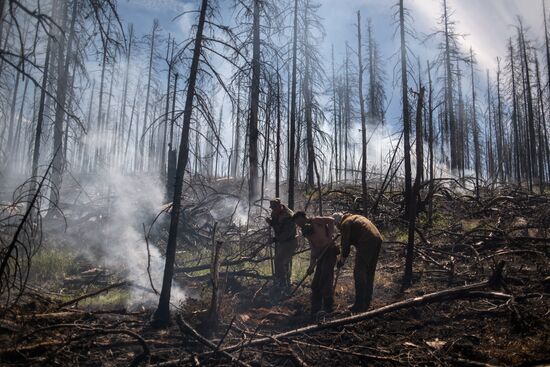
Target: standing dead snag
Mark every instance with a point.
(212, 318)
(161, 317)
(363, 118)
(292, 120)
(254, 106)
(415, 194)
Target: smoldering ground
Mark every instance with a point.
(105, 215)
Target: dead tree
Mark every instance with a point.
(409, 197)
(254, 106)
(363, 117)
(212, 317)
(477, 148)
(292, 129)
(161, 317)
(64, 59)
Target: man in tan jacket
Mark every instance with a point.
(360, 232)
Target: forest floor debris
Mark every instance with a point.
(503, 325)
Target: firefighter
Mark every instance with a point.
(319, 232)
(360, 232)
(285, 243)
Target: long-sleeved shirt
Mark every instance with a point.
(358, 231)
(283, 226)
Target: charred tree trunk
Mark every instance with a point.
(515, 122)
(409, 197)
(41, 107)
(169, 58)
(541, 126)
(161, 317)
(278, 136)
(430, 145)
(254, 106)
(213, 317)
(530, 114)
(334, 115)
(125, 89)
(63, 62)
(502, 171)
(292, 139)
(141, 156)
(307, 91)
(171, 173)
(477, 153)
(449, 100)
(363, 117)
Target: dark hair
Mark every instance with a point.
(299, 214)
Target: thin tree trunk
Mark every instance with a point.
(169, 59)
(335, 137)
(125, 88)
(171, 174)
(363, 117)
(500, 129)
(541, 124)
(409, 197)
(477, 153)
(449, 90)
(530, 114)
(430, 145)
(63, 62)
(254, 106)
(99, 158)
(161, 317)
(292, 141)
(515, 127)
(278, 136)
(40, 117)
(147, 96)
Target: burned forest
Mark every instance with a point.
(274, 183)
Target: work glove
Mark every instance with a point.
(341, 261)
(311, 269)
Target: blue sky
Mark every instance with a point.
(486, 24)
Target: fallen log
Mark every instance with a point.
(453, 293)
(461, 292)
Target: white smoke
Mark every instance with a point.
(106, 226)
(136, 200)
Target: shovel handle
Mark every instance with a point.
(316, 262)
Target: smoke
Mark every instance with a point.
(136, 200)
(108, 230)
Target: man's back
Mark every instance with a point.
(357, 229)
(282, 224)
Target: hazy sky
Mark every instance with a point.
(486, 24)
